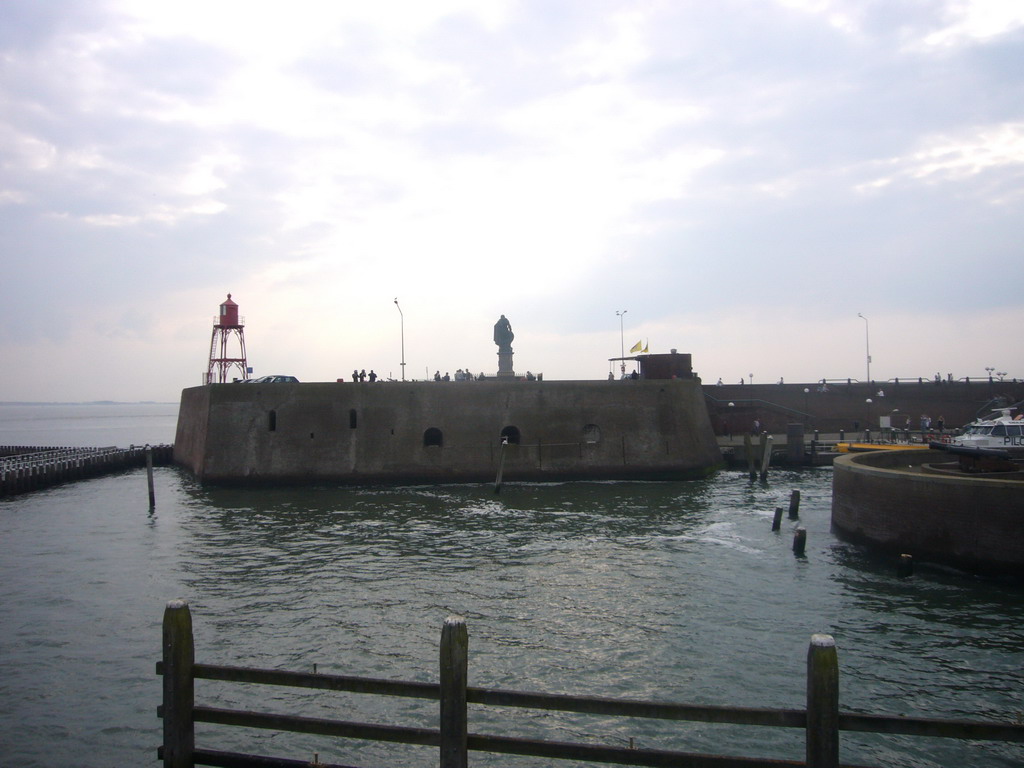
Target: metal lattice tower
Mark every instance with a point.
(225, 327)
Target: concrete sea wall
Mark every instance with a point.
(843, 406)
(445, 431)
(890, 500)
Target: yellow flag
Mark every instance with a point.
(636, 347)
(645, 348)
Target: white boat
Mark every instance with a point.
(1001, 429)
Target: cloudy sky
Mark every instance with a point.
(742, 178)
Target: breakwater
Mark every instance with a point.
(854, 406)
(24, 468)
(654, 429)
(914, 502)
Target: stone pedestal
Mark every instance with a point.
(505, 364)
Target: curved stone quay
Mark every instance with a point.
(918, 503)
(26, 468)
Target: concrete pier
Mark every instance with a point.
(654, 429)
(914, 503)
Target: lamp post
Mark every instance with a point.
(867, 345)
(401, 314)
(622, 342)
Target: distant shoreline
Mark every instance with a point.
(87, 402)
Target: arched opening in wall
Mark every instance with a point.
(591, 433)
(272, 421)
(433, 436)
(510, 435)
(352, 419)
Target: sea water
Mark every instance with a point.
(667, 591)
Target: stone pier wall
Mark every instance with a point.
(445, 431)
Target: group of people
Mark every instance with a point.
(926, 423)
(363, 375)
(460, 375)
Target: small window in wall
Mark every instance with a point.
(272, 421)
(591, 433)
(433, 436)
(352, 419)
(510, 435)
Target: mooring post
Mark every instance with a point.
(777, 520)
(748, 447)
(800, 542)
(794, 504)
(454, 665)
(906, 566)
(822, 702)
(149, 476)
(179, 686)
(766, 454)
(501, 466)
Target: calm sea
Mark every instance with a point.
(673, 591)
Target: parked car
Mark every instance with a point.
(275, 379)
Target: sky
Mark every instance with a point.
(777, 188)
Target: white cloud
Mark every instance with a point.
(969, 21)
(950, 159)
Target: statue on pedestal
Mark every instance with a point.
(503, 337)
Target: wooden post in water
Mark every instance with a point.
(822, 702)
(906, 566)
(766, 454)
(179, 686)
(777, 520)
(501, 466)
(149, 476)
(794, 505)
(800, 542)
(748, 447)
(454, 674)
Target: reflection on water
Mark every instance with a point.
(673, 591)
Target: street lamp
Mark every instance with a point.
(622, 341)
(989, 369)
(401, 314)
(867, 344)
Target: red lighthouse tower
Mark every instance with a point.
(226, 326)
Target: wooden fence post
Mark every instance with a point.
(179, 686)
(454, 664)
(822, 702)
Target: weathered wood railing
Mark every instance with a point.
(24, 469)
(821, 720)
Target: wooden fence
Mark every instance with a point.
(821, 720)
(24, 469)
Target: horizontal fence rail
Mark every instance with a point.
(24, 469)
(821, 720)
